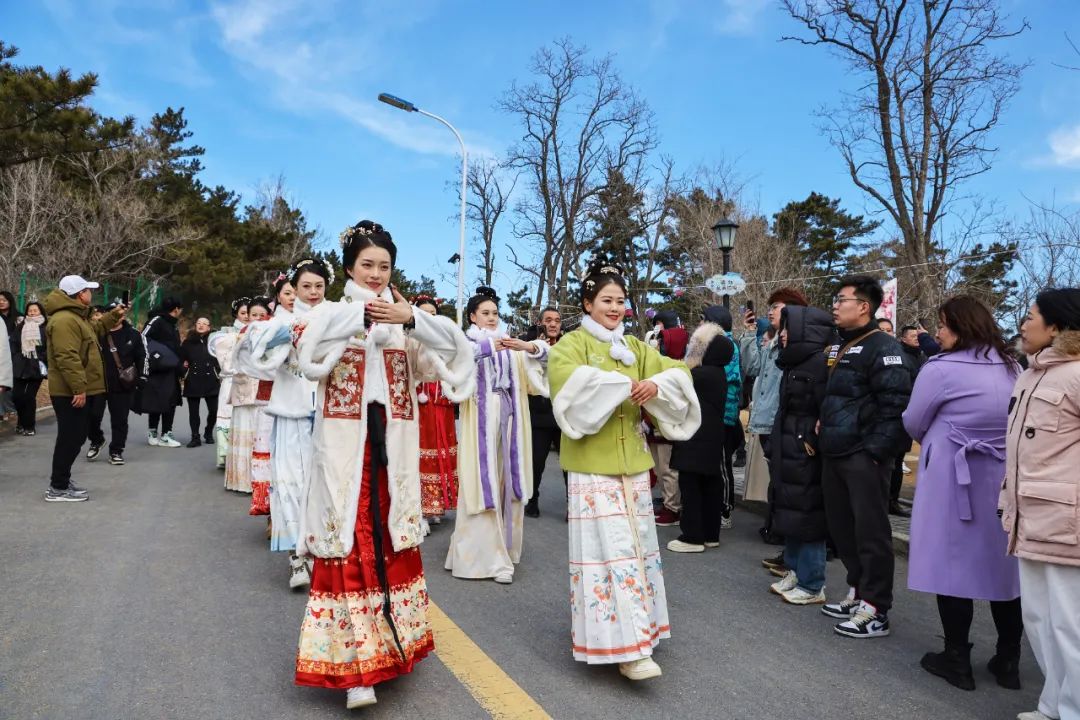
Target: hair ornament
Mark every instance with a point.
(425, 298)
(364, 228)
(299, 265)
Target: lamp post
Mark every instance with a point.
(724, 229)
(407, 106)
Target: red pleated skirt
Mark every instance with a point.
(346, 639)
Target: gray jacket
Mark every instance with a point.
(760, 362)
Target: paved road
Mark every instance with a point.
(159, 599)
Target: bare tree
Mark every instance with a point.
(275, 208)
(1049, 256)
(100, 222)
(487, 201)
(579, 119)
(919, 127)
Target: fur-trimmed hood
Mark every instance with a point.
(702, 349)
(1065, 348)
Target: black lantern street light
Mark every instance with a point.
(725, 240)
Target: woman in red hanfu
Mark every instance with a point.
(366, 617)
(438, 440)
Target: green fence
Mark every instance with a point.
(143, 294)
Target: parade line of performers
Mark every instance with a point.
(356, 424)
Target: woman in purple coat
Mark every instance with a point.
(958, 412)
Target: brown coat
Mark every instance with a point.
(74, 358)
(1042, 484)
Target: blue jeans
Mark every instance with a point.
(807, 559)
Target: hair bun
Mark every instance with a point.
(425, 298)
(601, 264)
(313, 264)
(485, 291)
(364, 228)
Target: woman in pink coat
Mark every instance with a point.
(958, 413)
(1039, 502)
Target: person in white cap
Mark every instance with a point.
(76, 375)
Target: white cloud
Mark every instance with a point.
(1065, 146)
(739, 17)
(318, 60)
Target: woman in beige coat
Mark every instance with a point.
(1039, 500)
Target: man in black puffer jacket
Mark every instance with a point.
(795, 494)
(861, 434)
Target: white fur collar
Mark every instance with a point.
(619, 349)
(476, 334)
(378, 335)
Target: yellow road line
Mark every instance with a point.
(492, 688)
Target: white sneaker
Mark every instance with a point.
(642, 669)
(1033, 715)
(679, 546)
(712, 544)
(152, 438)
(359, 697)
(167, 440)
(798, 596)
(435, 519)
(865, 622)
(727, 523)
(905, 468)
(505, 578)
(785, 584)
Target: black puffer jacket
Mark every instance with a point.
(706, 355)
(795, 465)
(866, 396)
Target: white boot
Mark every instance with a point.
(300, 575)
(359, 697)
(642, 669)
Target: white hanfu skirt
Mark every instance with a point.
(617, 598)
(241, 440)
(290, 460)
(223, 421)
(488, 544)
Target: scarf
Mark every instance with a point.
(619, 349)
(31, 336)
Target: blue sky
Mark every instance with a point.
(286, 87)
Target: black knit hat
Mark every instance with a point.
(1060, 307)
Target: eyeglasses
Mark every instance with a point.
(837, 300)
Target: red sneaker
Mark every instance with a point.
(666, 518)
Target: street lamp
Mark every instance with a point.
(407, 106)
(724, 230)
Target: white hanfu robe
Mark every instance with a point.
(267, 352)
(366, 616)
(617, 596)
(221, 344)
(495, 459)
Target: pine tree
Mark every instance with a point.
(43, 114)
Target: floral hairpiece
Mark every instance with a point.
(294, 271)
(349, 234)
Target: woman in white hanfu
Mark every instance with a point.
(267, 352)
(601, 382)
(495, 447)
(220, 345)
(245, 396)
(366, 617)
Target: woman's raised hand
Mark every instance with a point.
(398, 312)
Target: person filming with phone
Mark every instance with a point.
(76, 375)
